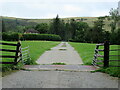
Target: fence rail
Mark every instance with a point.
(25, 55)
(10, 44)
(105, 62)
(17, 52)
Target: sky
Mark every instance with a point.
(40, 9)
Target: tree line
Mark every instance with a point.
(82, 32)
(79, 31)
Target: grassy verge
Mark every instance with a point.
(36, 49)
(86, 52)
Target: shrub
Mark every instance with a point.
(17, 36)
(10, 37)
(49, 37)
(28, 62)
(10, 67)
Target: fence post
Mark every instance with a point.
(106, 54)
(17, 51)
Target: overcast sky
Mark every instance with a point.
(50, 8)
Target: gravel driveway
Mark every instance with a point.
(77, 76)
(61, 53)
(59, 79)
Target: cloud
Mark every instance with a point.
(34, 5)
(99, 13)
(52, 15)
(71, 8)
(50, 8)
(59, 1)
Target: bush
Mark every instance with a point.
(114, 37)
(17, 36)
(10, 37)
(49, 37)
(10, 67)
(29, 62)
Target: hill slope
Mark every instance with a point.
(12, 22)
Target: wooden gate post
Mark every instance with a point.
(17, 51)
(106, 54)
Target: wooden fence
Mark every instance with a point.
(105, 62)
(17, 52)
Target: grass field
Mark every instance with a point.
(86, 52)
(36, 49)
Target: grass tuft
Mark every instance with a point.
(59, 63)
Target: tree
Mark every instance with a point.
(57, 27)
(89, 35)
(80, 31)
(62, 31)
(118, 36)
(73, 28)
(3, 26)
(42, 28)
(98, 31)
(115, 17)
(115, 26)
(68, 34)
(20, 29)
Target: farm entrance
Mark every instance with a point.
(61, 57)
(59, 67)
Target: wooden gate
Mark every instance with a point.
(105, 58)
(26, 55)
(17, 56)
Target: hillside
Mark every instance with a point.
(90, 21)
(12, 22)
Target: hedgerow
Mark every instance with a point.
(17, 36)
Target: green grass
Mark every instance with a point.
(86, 52)
(37, 48)
(59, 63)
